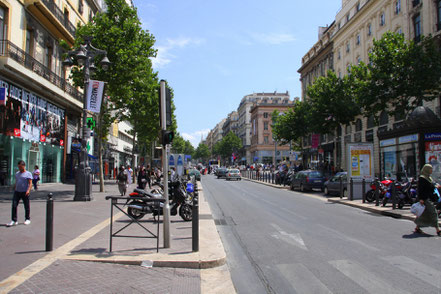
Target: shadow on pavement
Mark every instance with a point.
(417, 235)
(30, 252)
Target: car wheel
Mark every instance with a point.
(302, 189)
(326, 191)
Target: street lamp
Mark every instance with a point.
(85, 57)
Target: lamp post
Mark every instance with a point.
(85, 57)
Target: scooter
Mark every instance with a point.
(384, 186)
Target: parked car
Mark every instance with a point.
(332, 186)
(233, 174)
(221, 172)
(196, 173)
(308, 180)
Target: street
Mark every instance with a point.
(280, 241)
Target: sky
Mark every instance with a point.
(214, 52)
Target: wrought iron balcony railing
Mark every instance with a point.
(8, 49)
(50, 4)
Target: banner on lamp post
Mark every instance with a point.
(95, 95)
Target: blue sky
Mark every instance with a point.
(214, 52)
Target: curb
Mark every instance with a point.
(267, 184)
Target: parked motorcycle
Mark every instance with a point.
(383, 187)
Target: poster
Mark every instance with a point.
(433, 156)
(361, 164)
(30, 117)
(95, 95)
(390, 161)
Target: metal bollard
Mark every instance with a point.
(351, 187)
(49, 222)
(341, 188)
(195, 221)
(393, 195)
(377, 193)
(363, 190)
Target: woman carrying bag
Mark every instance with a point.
(426, 191)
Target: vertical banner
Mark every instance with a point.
(95, 95)
(315, 140)
(2, 96)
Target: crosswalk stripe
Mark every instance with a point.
(370, 282)
(417, 269)
(302, 280)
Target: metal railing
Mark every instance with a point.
(9, 49)
(50, 4)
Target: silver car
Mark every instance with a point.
(233, 174)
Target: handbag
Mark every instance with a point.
(417, 209)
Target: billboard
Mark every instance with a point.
(360, 161)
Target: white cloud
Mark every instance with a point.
(165, 53)
(195, 137)
(273, 38)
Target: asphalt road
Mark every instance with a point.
(280, 241)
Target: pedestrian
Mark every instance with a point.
(129, 174)
(121, 180)
(22, 190)
(142, 178)
(36, 177)
(149, 176)
(426, 192)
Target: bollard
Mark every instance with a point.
(49, 222)
(351, 187)
(195, 222)
(393, 195)
(377, 193)
(363, 190)
(341, 187)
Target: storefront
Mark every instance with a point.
(31, 129)
(432, 148)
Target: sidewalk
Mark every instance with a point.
(83, 236)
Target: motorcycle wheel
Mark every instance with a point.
(400, 204)
(135, 213)
(370, 196)
(186, 212)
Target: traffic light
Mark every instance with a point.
(166, 137)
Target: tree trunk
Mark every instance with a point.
(100, 150)
(134, 177)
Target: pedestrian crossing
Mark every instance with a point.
(303, 280)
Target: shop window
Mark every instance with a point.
(370, 122)
(384, 118)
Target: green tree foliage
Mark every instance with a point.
(202, 152)
(402, 74)
(182, 146)
(294, 124)
(229, 144)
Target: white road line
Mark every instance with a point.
(302, 279)
(370, 282)
(343, 236)
(416, 269)
(293, 239)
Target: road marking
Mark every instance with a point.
(293, 239)
(21, 276)
(417, 269)
(302, 279)
(341, 235)
(364, 278)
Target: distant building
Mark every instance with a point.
(231, 123)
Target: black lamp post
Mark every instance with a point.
(85, 57)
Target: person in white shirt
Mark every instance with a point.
(129, 174)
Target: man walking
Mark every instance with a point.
(22, 190)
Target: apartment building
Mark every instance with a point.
(263, 148)
(398, 147)
(231, 123)
(39, 109)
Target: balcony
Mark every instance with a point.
(8, 49)
(49, 14)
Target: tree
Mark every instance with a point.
(131, 82)
(294, 124)
(229, 144)
(202, 152)
(402, 74)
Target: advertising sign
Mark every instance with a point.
(95, 95)
(180, 165)
(28, 116)
(361, 161)
(433, 156)
(315, 140)
(171, 160)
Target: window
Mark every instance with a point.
(47, 58)
(348, 47)
(384, 118)
(400, 31)
(415, 2)
(397, 6)
(265, 126)
(369, 29)
(357, 7)
(370, 122)
(417, 27)
(358, 39)
(358, 125)
(339, 53)
(29, 42)
(265, 140)
(348, 129)
(339, 74)
(358, 59)
(3, 24)
(338, 25)
(265, 115)
(80, 6)
(382, 19)
(348, 17)
(90, 15)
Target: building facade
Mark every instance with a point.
(39, 109)
(356, 25)
(263, 148)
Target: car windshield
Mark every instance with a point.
(234, 171)
(315, 174)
